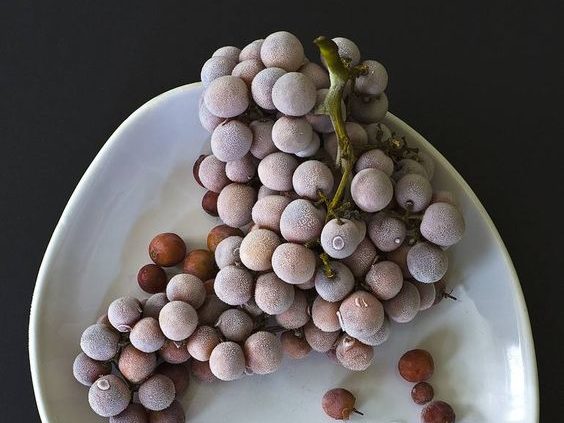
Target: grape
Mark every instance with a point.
(348, 50)
(178, 320)
(154, 304)
(272, 295)
(413, 192)
(172, 414)
(146, 335)
(416, 365)
(312, 148)
(262, 144)
(361, 314)
(427, 262)
(227, 251)
(428, 163)
(99, 342)
(369, 109)
(405, 305)
(291, 135)
(136, 365)
(227, 361)
(201, 370)
(409, 166)
(134, 413)
(187, 288)
(375, 159)
(374, 82)
(312, 176)
(262, 84)
(211, 310)
(385, 279)
(212, 174)
(178, 373)
(442, 224)
(336, 288)
(257, 248)
(293, 263)
(360, 261)
(357, 136)
(124, 312)
(294, 94)
(157, 392)
(151, 278)
(275, 171)
(241, 170)
(264, 192)
(87, 370)
(283, 50)
(340, 238)
(294, 345)
(263, 352)
(109, 396)
(301, 221)
(317, 74)
(386, 232)
(215, 67)
(235, 203)
(324, 315)
(235, 325)
(167, 249)
(319, 340)
(378, 337)
(297, 315)
(438, 412)
(234, 285)
(338, 403)
(209, 203)
(247, 70)
(174, 352)
(200, 263)
(422, 393)
(427, 294)
(353, 354)
(444, 197)
(219, 233)
(208, 120)
(227, 96)
(202, 342)
(267, 211)
(371, 190)
(251, 50)
(377, 132)
(227, 51)
(231, 140)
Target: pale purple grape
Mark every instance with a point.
(257, 248)
(272, 295)
(227, 251)
(371, 190)
(427, 262)
(362, 258)
(317, 74)
(312, 176)
(301, 221)
(187, 288)
(386, 232)
(227, 361)
(235, 325)
(231, 140)
(340, 237)
(215, 67)
(207, 119)
(374, 81)
(247, 70)
(293, 263)
(261, 87)
(124, 312)
(87, 371)
(375, 159)
(157, 393)
(369, 109)
(174, 352)
(202, 342)
(251, 50)
(267, 211)
(109, 396)
(283, 50)
(324, 315)
(154, 304)
(442, 224)
(294, 94)
(234, 285)
(361, 314)
(385, 279)
(291, 135)
(312, 148)
(135, 365)
(227, 96)
(319, 340)
(147, 336)
(336, 288)
(212, 174)
(413, 192)
(262, 144)
(230, 52)
(404, 307)
(178, 320)
(263, 353)
(275, 171)
(235, 203)
(241, 170)
(353, 354)
(100, 342)
(297, 315)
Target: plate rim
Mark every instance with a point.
(41, 280)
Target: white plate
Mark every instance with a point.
(141, 184)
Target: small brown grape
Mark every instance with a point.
(167, 249)
(438, 412)
(201, 371)
(200, 263)
(416, 365)
(338, 403)
(294, 344)
(209, 203)
(422, 393)
(151, 278)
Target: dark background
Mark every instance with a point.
(482, 83)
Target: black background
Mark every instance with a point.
(482, 82)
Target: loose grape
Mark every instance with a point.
(319, 340)
(405, 305)
(219, 233)
(99, 342)
(262, 84)
(386, 232)
(422, 393)
(151, 278)
(369, 109)
(375, 159)
(360, 261)
(301, 221)
(385, 279)
(409, 166)
(273, 295)
(438, 412)
(227, 51)
(297, 315)
(442, 224)
(215, 67)
(294, 344)
(154, 304)
(231, 140)
(146, 335)
(427, 262)
(136, 365)
(371, 190)
(338, 403)
(201, 370)
(348, 50)
(283, 50)
(234, 285)
(187, 288)
(340, 238)
(227, 251)
(251, 50)
(312, 148)
(357, 136)
(178, 373)
(87, 370)
(294, 94)
(257, 248)
(413, 192)
(312, 176)
(227, 96)
(173, 414)
(275, 171)
(235, 325)
(202, 342)
(242, 170)
(374, 81)
(168, 249)
(235, 204)
(208, 120)
(212, 174)
(324, 315)
(124, 312)
(267, 211)
(291, 135)
(174, 352)
(336, 288)
(134, 413)
(416, 365)
(399, 257)
(109, 396)
(317, 74)
(361, 314)
(227, 361)
(210, 311)
(178, 320)
(157, 392)
(263, 352)
(379, 337)
(377, 132)
(427, 294)
(353, 354)
(293, 263)
(200, 263)
(247, 70)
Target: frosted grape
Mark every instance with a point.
(427, 262)
(275, 171)
(247, 70)
(291, 135)
(273, 295)
(317, 74)
(208, 120)
(378, 337)
(241, 170)
(319, 340)
(371, 190)
(353, 354)
(124, 312)
(257, 248)
(336, 288)
(235, 325)
(202, 342)
(374, 82)
(227, 361)
(235, 203)
(261, 87)
(405, 305)
(262, 144)
(293, 263)
(267, 211)
(154, 304)
(413, 192)
(227, 96)
(174, 352)
(361, 314)
(312, 176)
(360, 261)
(369, 109)
(215, 67)
(427, 294)
(385, 279)
(301, 221)
(339, 238)
(231, 140)
(386, 232)
(212, 174)
(87, 371)
(146, 335)
(263, 352)
(348, 50)
(157, 392)
(230, 52)
(442, 224)
(312, 148)
(109, 396)
(294, 344)
(178, 320)
(251, 50)
(187, 288)
(227, 251)
(294, 94)
(136, 365)
(234, 285)
(324, 315)
(100, 342)
(264, 191)
(297, 315)
(283, 50)
(375, 159)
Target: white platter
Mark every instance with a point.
(141, 184)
